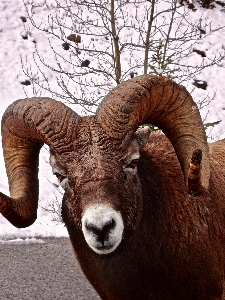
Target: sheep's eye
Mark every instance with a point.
(59, 176)
(133, 164)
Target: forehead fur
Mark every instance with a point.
(91, 139)
(94, 152)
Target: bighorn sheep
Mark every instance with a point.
(145, 215)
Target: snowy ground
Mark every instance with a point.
(12, 47)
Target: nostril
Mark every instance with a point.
(108, 226)
(101, 231)
(91, 227)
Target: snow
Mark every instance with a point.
(14, 47)
(23, 241)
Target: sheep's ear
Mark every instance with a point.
(143, 136)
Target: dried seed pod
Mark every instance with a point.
(66, 46)
(85, 63)
(132, 74)
(202, 53)
(200, 84)
(26, 82)
(24, 19)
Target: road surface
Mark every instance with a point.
(46, 271)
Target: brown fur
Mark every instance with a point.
(177, 251)
(172, 246)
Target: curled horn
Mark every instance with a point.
(159, 101)
(26, 125)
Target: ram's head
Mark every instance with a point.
(95, 158)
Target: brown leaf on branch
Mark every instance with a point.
(74, 38)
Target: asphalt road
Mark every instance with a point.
(42, 271)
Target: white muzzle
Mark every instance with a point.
(102, 227)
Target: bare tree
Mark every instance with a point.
(96, 44)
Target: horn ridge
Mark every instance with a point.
(159, 101)
(26, 125)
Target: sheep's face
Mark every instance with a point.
(103, 195)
